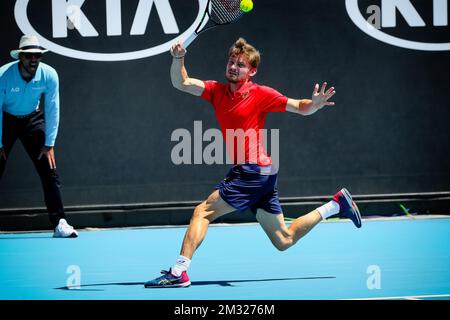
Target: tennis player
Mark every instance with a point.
(251, 183)
(22, 85)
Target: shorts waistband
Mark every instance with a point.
(262, 170)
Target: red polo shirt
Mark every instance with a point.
(241, 116)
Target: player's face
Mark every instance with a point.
(239, 69)
(30, 61)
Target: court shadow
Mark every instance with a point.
(229, 283)
(222, 283)
(85, 286)
(26, 238)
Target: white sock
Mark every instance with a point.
(329, 209)
(182, 264)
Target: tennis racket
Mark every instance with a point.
(217, 12)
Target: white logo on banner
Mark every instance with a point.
(69, 15)
(388, 10)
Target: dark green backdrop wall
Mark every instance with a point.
(388, 132)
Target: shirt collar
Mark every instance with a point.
(242, 91)
(38, 75)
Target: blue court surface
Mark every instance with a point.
(388, 259)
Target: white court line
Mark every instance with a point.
(405, 297)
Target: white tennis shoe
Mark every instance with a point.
(64, 230)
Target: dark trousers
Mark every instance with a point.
(30, 131)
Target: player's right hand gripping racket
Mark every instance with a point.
(217, 12)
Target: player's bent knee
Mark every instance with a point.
(201, 212)
(282, 244)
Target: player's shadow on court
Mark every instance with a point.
(26, 238)
(222, 283)
(85, 287)
(229, 283)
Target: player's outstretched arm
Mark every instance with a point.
(318, 100)
(179, 75)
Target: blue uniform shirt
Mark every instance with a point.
(19, 97)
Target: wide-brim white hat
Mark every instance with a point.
(28, 44)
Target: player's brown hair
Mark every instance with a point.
(242, 47)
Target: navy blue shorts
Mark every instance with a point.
(246, 188)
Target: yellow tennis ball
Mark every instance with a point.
(246, 5)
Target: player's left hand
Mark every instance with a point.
(177, 50)
(320, 98)
(49, 153)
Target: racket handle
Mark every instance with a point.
(189, 40)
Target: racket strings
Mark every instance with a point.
(225, 11)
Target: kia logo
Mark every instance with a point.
(387, 13)
(72, 16)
